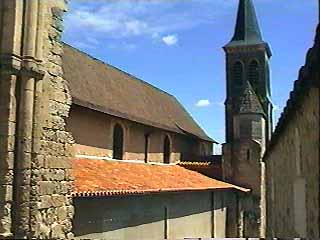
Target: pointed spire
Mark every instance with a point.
(247, 29)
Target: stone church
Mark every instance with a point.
(90, 151)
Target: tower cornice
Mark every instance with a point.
(248, 48)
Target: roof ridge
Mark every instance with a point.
(122, 71)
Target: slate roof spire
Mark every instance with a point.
(249, 101)
(247, 30)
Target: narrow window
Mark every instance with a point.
(238, 73)
(253, 74)
(166, 150)
(146, 147)
(118, 142)
(248, 154)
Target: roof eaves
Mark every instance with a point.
(153, 191)
(118, 114)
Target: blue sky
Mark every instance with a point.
(176, 45)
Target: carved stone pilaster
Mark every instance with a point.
(35, 199)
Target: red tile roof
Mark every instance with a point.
(210, 169)
(109, 178)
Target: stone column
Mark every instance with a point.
(11, 13)
(35, 149)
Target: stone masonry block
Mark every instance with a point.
(6, 160)
(6, 193)
(58, 162)
(55, 123)
(65, 187)
(58, 200)
(47, 188)
(50, 216)
(37, 161)
(55, 70)
(45, 202)
(59, 96)
(6, 177)
(58, 109)
(62, 213)
(63, 137)
(58, 175)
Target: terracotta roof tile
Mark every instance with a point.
(210, 169)
(108, 178)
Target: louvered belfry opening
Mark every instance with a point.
(253, 74)
(238, 73)
(118, 142)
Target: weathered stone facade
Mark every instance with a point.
(292, 159)
(34, 102)
(93, 134)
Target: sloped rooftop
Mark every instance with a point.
(110, 178)
(102, 87)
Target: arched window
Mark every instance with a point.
(146, 147)
(166, 150)
(238, 73)
(117, 142)
(253, 74)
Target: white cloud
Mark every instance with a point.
(170, 40)
(203, 103)
(108, 20)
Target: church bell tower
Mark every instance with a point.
(248, 114)
(248, 104)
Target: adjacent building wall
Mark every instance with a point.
(159, 216)
(293, 175)
(93, 133)
(292, 159)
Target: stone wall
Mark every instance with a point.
(292, 159)
(93, 133)
(241, 166)
(292, 208)
(35, 148)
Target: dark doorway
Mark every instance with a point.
(118, 142)
(166, 150)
